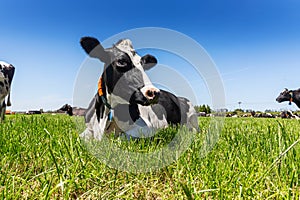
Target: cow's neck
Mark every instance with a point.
(102, 93)
(296, 98)
(115, 108)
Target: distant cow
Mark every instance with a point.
(6, 75)
(72, 110)
(289, 95)
(34, 112)
(67, 108)
(201, 114)
(264, 115)
(288, 115)
(126, 101)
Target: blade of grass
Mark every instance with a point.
(275, 162)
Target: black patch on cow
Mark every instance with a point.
(93, 47)
(148, 61)
(122, 62)
(126, 77)
(171, 107)
(120, 65)
(184, 109)
(138, 98)
(9, 72)
(99, 106)
(159, 111)
(95, 105)
(108, 75)
(1, 84)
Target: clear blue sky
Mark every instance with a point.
(255, 44)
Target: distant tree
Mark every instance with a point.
(198, 108)
(203, 108)
(208, 109)
(238, 111)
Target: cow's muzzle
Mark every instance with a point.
(152, 94)
(279, 99)
(145, 97)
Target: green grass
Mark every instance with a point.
(41, 157)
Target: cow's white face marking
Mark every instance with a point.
(126, 47)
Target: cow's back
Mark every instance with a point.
(178, 110)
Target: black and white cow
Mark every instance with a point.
(289, 95)
(126, 101)
(6, 75)
(67, 108)
(72, 111)
(288, 114)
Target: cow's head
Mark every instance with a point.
(124, 77)
(67, 108)
(285, 95)
(6, 75)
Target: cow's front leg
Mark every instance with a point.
(94, 129)
(140, 130)
(2, 111)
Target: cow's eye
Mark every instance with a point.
(121, 63)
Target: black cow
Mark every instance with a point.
(126, 101)
(289, 95)
(6, 75)
(67, 108)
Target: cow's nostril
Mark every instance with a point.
(150, 93)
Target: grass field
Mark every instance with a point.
(42, 158)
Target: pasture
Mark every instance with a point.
(42, 158)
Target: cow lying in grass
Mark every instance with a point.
(6, 75)
(126, 101)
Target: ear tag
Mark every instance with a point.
(110, 114)
(291, 99)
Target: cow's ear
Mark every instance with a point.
(93, 47)
(148, 61)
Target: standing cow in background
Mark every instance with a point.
(67, 108)
(126, 101)
(289, 95)
(6, 75)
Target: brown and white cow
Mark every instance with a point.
(126, 101)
